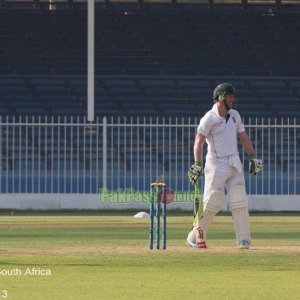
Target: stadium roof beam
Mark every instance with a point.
(277, 2)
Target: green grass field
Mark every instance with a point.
(106, 256)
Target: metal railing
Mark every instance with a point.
(69, 155)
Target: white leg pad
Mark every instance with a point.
(211, 208)
(202, 225)
(238, 205)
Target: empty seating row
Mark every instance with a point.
(148, 96)
(152, 42)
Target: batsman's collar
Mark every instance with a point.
(215, 110)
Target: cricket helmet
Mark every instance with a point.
(222, 89)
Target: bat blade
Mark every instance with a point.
(198, 204)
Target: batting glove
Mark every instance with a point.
(195, 172)
(255, 166)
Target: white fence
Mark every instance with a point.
(71, 156)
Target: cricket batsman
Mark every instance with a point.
(220, 128)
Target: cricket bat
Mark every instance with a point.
(198, 204)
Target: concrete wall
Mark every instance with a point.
(92, 201)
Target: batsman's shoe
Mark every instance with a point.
(243, 245)
(198, 245)
(201, 244)
(191, 244)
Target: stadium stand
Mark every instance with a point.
(43, 58)
(152, 60)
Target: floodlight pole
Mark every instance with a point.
(91, 61)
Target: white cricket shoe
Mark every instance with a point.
(244, 245)
(191, 240)
(191, 244)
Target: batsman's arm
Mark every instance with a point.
(196, 169)
(198, 147)
(245, 141)
(255, 165)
